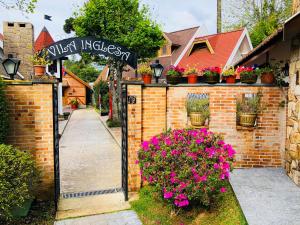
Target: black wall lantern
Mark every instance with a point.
(157, 70)
(11, 66)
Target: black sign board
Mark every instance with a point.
(91, 45)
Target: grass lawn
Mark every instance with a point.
(41, 213)
(153, 210)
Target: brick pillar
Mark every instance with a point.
(18, 42)
(31, 127)
(292, 154)
(134, 136)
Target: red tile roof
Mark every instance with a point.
(180, 38)
(44, 39)
(222, 44)
(1, 37)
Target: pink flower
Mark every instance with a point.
(168, 141)
(203, 178)
(164, 154)
(168, 195)
(192, 155)
(150, 179)
(230, 151)
(137, 162)
(223, 190)
(182, 203)
(181, 200)
(216, 166)
(199, 141)
(182, 186)
(175, 152)
(145, 146)
(155, 141)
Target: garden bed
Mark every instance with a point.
(152, 209)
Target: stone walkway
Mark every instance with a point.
(90, 159)
(119, 218)
(267, 196)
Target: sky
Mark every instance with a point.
(171, 14)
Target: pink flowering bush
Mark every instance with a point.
(187, 166)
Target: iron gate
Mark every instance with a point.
(124, 141)
(56, 145)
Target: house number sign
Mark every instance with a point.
(131, 99)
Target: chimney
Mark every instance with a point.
(219, 16)
(296, 6)
(18, 43)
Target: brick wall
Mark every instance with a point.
(164, 107)
(18, 41)
(296, 6)
(31, 127)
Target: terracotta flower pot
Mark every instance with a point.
(39, 70)
(267, 78)
(230, 79)
(74, 106)
(192, 78)
(147, 78)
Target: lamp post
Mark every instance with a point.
(11, 66)
(157, 70)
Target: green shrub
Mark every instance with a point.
(18, 179)
(188, 167)
(3, 113)
(113, 123)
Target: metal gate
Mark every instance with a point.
(56, 144)
(124, 141)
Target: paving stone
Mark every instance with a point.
(128, 217)
(90, 158)
(267, 196)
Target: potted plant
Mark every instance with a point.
(229, 75)
(66, 115)
(174, 74)
(212, 75)
(267, 75)
(247, 110)
(39, 63)
(146, 73)
(198, 110)
(248, 75)
(192, 75)
(74, 103)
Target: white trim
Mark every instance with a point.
(238, 45)
(187, 47)
(20, 75)
(107, 73)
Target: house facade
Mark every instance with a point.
(75, 88)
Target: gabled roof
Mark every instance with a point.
(76, 78)
(103, 75)
(181, 39)
(220, 49)
(44, 39)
